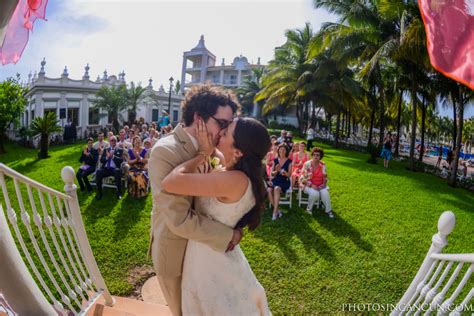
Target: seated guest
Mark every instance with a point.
(122, 141)
(280, 174)
(126, 129)
(89, 162)
(111, 163)
(313, 179)
(144, 133)
(131, 135)
(282, 137)
(289, 140)
(100, 144)
(137, 175)
(298, 160)
(271, 156)
(153, 137)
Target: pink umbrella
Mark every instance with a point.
(16, 22)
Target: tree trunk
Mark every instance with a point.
(329, 117)
(2, 143)
(132, 115)
(457, 147)
(399, 120)
(298, 114)
(313, 116)
(372, 119)
(382, 116)
(413, 126)
(43, 146)
(454, 121)
(344, 124)
(338, 125)
(305, 116)
(423, 117)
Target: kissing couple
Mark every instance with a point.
(199, 211)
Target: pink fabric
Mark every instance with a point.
(19, 27)
(449, 28)
(298, 163)
(270, 158)
(317, 177)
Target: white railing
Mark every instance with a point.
(439, 285)
(54, 270)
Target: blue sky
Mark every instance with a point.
(147, 38)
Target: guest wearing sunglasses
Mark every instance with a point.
(314, 181)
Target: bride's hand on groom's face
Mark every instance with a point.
(204, 138)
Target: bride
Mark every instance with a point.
(217, 283)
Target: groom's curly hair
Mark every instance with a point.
(205, 100)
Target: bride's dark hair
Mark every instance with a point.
(252, 139)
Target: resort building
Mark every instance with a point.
(199, 66)
(72, 100)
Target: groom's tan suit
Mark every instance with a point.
(173, 221)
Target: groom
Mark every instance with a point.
(173, 220)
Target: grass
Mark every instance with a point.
(307, 264)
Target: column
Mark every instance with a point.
(183, 72)
(222, 77)
(239, 77)
(203, 68)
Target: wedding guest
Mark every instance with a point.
(153, 137)
(88, 159)
(289, 140)
(131, 135)
(144, 133)
(386, 153)
(126, 129)
(309, 138)
(298, 160)
(122, 141)
(101, 144)
(111, 163)
(137, 177)
(314, 181)
(270, 158)
(282, 137)
(440, 156)
(281, 174)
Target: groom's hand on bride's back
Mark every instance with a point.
(236, 237)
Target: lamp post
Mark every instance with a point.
(169, 99)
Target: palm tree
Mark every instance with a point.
(113, 100)
(251, 86)
(465, 96)
(45, 126)
(133, 95)
(280, 82)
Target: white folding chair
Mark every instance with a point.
(286, 198)
(303, 198)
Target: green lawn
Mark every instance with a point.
(307, 264)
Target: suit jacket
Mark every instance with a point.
(173, 221)
(117, 158)
(91, 160)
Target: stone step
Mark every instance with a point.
(127, 307)
(151, 292)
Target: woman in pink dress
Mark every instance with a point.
(271, 156)
(299, 158)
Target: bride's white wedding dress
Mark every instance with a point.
(217, 283)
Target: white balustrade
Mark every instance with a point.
(429, 289)
(53, 270)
